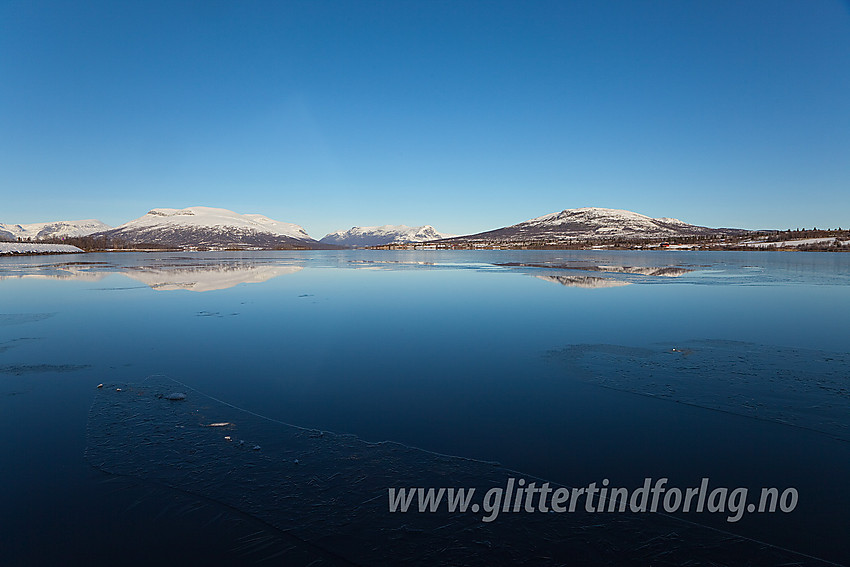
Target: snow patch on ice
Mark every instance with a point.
(33, 248)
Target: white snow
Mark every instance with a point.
(55, 229)
(32, 248)
(388, 233)
(205, 217)
(606, 221)
(787, 243)
(587, 213)
(672, 221)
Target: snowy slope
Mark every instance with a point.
(207, 217)
(57, 229)
(592, 223)
(379, 235)
(607, 222)
(211, 227)
(793, 243)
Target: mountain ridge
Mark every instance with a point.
(215, 228)
(363, 236)
(52, 229)
(211, 228)
(591, 223)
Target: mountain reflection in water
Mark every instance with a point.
(161, 276)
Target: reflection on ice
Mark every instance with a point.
(557, 264)
(589, 282)
(194, 274)
(569, 272)
(81, 271)
(163, 269)
(665, 271)
(207, 277)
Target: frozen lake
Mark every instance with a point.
(571, 367)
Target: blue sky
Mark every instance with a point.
(465, 115)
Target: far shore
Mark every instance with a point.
(16, 249)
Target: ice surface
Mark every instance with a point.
(22, 369)
(798, 387)
(10, 344)
(21, 318)
(330, 490)
(201, 271)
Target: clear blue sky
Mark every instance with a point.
(465, 115)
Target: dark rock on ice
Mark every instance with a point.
(175, 396)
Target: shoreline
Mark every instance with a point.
(20, 253)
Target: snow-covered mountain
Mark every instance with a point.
(360, 236)
(592, 223)
(56, 229)
(207, 227)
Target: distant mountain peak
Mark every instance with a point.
(589, 223)
(361, 236)
(210, 227)
(50, 230)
